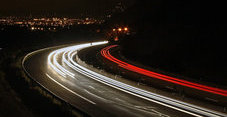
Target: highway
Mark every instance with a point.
(57, 70)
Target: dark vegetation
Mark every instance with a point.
(20, 95)
(181, 37)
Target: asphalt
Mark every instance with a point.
(98, 95)
(90, 96)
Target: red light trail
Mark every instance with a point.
(106, 53)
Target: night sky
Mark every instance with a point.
(57, 7)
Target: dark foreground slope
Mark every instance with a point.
(20, 95)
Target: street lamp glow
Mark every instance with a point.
(126, 29)
(119, 29)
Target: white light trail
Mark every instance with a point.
(69, 89)
(67, 54)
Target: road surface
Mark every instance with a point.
(57, 70)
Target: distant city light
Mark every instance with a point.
(126, 29)
(119, 29)
(50, 24)
(114, 29)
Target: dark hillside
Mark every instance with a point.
(183, 37)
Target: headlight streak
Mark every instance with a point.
(59, 66)
(67, 58)
(53, 66)
(70, 89)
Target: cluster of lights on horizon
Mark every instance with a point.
(50, 24)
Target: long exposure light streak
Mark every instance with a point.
(62, 61)
(106, 53)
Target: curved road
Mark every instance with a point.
(57, 70)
